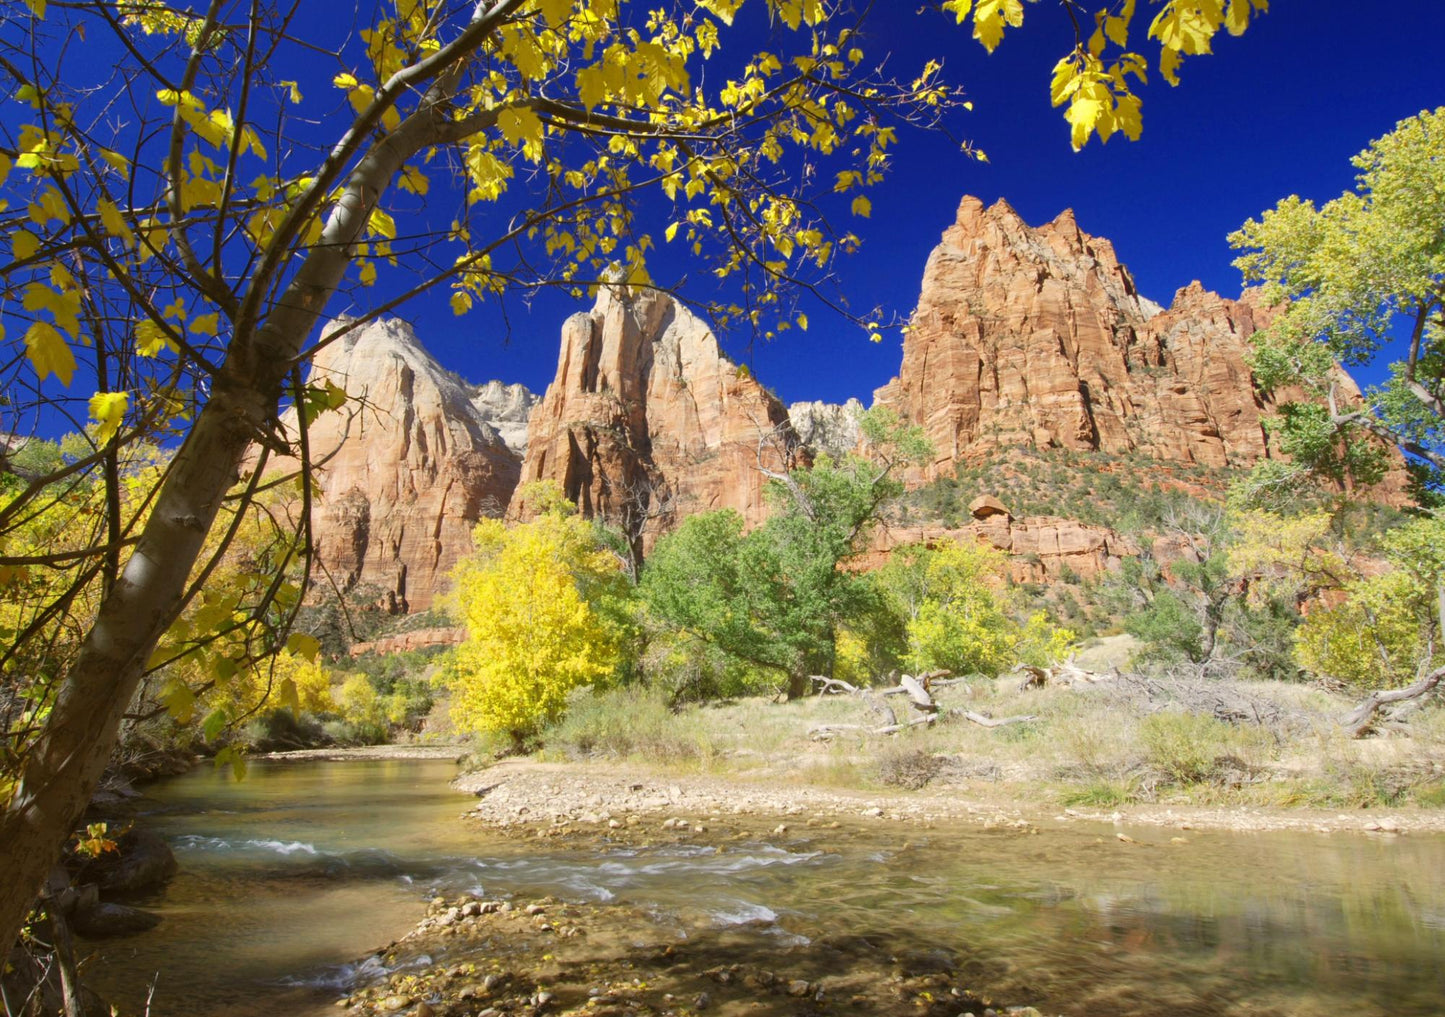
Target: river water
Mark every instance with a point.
(290, 876)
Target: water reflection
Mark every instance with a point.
(291, 876)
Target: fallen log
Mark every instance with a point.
(1365, 716)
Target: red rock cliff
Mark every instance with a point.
(1038, 337)
(410, 464)
(647, 422)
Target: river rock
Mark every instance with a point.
(104, 921)
(143, 861)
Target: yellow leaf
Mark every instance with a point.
(24, 244)
(862, 206)
(37, 7)
(304, 645)
(49, 353)
(671, 231)
(294, 90)
(461, 302)
(151, 339)
(368, 273)
(803, 322)
(382, 224)
(107, 409)
(519, 126)
(345, 80)
(1237, 19)
(1117, 29)
(205, 324)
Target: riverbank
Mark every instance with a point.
(532, 798)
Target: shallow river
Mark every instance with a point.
(291, 875)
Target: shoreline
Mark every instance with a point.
(548, 798)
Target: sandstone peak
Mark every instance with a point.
(647, 421)
(1038, 336)
(409, 464)
(827, 427)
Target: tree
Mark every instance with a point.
(776, 597)
(1350, 269)
(956, 615)
(179, 228)
(543, 605)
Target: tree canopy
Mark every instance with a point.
(185, 192)
(1352, 270)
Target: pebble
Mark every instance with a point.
(799, 988)
(394, 1003)
(423, 1009)
(536, 909)
(702, 1002)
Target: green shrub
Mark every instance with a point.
(1183, 746)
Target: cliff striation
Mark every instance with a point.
(1039, 337)
(409, 464)
(647, 422)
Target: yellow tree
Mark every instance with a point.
(180, 215)
(533, 600)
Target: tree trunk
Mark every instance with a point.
(65, 764)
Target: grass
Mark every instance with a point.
(1102, 746)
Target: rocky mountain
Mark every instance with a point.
(408, 465)
(506, 409)
(827, 427)
(647, 422)
(1039, 337)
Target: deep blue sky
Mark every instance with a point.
(1277, 111)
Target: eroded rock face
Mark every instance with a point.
(827, 427)
(1038, 337)
(1039, 548)
(647, 422)
(410, 463)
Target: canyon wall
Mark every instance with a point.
(407, 466)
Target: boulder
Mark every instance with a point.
(142, 862)
(986, 505)
(105, 921)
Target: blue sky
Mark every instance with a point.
(1277, 111)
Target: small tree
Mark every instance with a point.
(956, 614)
(539, 602)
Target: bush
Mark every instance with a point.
(909, 769)
(1183, 746)
(626, 722)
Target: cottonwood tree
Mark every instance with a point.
(1350, 268)
(178, 227)
(776, 597)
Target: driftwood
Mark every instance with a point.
(1066, 674)
(1362, 721)
(918, 689)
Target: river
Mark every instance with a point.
(290, 876)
